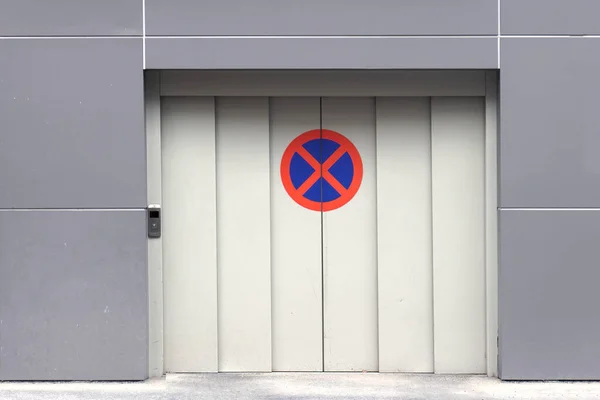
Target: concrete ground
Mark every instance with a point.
(304, 386)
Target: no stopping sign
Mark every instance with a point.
(321, 170)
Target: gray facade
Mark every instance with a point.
(73, 157)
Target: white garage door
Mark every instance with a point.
(280, 255)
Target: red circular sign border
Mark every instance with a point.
(299, 198)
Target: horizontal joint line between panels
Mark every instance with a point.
(73, 209)
(549, 209)
(70, 37)
(142, 36)
(370, 36)
(321, 37)
(566, 36)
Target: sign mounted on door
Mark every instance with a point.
(321, 170)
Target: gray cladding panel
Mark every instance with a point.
(550, 17)
(318, 17)
(321, 53)
(72, 113)
(70, 17)
(548, 294)
(73, 295)
(549, 122)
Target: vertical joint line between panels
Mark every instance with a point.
(499, 33)
(271, 201)
(217, 258)
(143, 34)
(432, 244)
(376, 237)
(322, 237)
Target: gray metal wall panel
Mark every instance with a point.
(72, 113)
(549, 121)
(70, 17)
(73, 295)
(317, 17)
(73, 137)
(549, 295)
(549, 17)
(321, 53)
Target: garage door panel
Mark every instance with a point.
(243, 233)
(405, 298)
(296, 249)
(392, 281)
(458, 234)
(189, 230)
(350, 248)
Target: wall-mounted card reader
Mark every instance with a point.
(154, 221)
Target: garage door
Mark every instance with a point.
(324, 234)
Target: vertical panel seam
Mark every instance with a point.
(499, 33)
(322, 240)
(431, 245)
(377, 337)
(270, 224)
(271, 202)
(144, 34)
(217, 236)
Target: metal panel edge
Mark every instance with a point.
(154, 187)
(491, 221)
(323, 83)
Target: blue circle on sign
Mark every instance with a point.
(321, 150)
